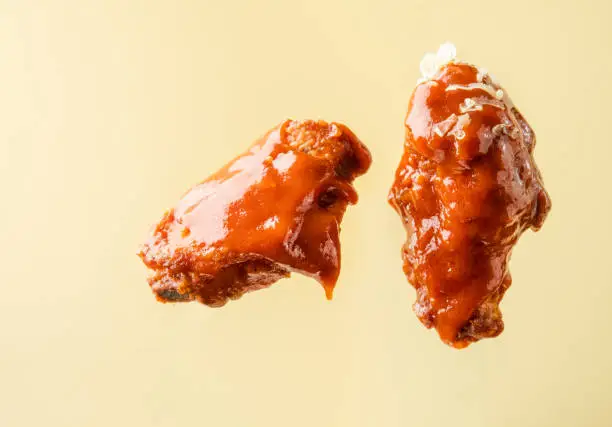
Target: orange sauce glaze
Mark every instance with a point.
(279, 205)
(466, 188)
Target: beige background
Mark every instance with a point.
(109, 110)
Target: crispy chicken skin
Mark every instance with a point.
(466, 188)
(273, 210)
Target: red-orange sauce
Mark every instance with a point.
(466, 188)
(273, 210)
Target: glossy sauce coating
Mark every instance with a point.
(273, 210)
(466, 188)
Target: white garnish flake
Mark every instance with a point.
(473, 86)
(443, 127)
(432, 62)
(470, 105)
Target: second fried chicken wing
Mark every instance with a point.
(466, 188)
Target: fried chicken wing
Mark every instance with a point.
(273, 210)
(466, 188)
